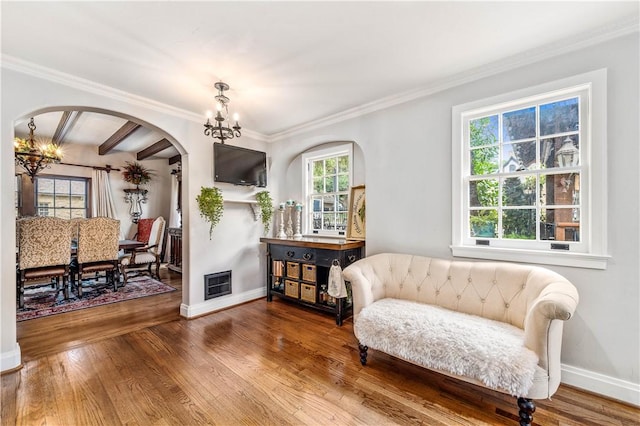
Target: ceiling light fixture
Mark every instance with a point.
(222, 129)
(34, 158)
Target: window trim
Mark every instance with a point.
(318, 154)
(594, 156)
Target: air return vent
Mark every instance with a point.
(217, 284)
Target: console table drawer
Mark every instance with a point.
(293, 253)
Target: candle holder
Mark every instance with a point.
(298, 235)
(289, 230)
(281, 233)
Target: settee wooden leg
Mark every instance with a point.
(363, 353)
(527, 408)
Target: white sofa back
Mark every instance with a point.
(496, 290)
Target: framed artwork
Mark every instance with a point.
(356, 227)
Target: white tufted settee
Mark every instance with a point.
(494, 324)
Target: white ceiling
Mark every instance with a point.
(289, 63)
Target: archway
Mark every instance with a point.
(129, 119)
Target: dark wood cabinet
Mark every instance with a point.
(175, 249)
(298, 270)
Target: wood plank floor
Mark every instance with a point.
(259, 363)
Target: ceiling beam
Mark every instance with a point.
(113, 141)
(154, 149)
(67, 121)
(175, 159)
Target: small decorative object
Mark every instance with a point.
(289, 230)
(136, 173)
(356, 227)
(281, 233)
(266, 209)
(298, 235)
(211, 206)
(136, 197)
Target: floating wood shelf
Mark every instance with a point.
(252, 203)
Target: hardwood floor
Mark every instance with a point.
(258, 363)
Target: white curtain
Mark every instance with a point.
(102, 200)
(174, 216)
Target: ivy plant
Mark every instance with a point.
(211, 206)
(266, 209)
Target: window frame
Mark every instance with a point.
(307, 183)
(87, 194)
(590, 252)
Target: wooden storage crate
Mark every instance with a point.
(308, 292)
(291, 288)
(309, 273)
(293, 270)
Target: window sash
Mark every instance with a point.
(499, 239)
(52, 203)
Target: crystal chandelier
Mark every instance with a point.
(34, 158)
(222, 129)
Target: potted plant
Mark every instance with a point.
(136, 173)
(211, 206)
(266, 209)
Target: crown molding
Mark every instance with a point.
(594, 37)
(38, 71)
(574, 43)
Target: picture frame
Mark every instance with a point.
(356, 226)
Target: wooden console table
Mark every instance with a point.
(175, 249)
(298, 271)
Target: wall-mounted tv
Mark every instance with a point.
(239, 166)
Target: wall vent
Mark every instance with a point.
(217, 284)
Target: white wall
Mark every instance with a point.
(407, 151)
(235, 242)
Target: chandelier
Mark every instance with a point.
(34, 158)
(222, 129)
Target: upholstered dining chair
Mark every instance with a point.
(44, 252)
(144, 230)
(97, 251)
(142, 259)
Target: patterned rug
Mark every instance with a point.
(43, 301)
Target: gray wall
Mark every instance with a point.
(407, 154)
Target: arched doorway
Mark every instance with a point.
(115, 138)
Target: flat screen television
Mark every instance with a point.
(239, 166)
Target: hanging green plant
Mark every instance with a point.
(266, 209)
(211, 205)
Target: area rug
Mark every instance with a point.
(43, 301)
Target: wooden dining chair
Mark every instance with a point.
(44, 252)
(142, 259)
(97, 251)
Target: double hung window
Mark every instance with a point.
(524, 177)
(327, 176)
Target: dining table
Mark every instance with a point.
(129, 245)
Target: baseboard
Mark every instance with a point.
(11, 360)
(192, 311)
(599, 383)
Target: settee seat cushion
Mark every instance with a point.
(490, 352)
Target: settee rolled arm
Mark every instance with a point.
(543, 325)
(361, 286)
